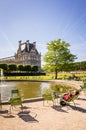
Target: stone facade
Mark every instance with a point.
(26, 54)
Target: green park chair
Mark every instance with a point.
(15, 99)
(67, 102)
(47, 96)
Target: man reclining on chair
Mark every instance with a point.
(66, 98)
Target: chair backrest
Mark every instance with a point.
(47, 97)
(61, 90)
(72, 98)
(15, 93)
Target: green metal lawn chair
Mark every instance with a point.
(47, 97)
(64, 102)
(73, 97)
(15, 99)
(51, 95)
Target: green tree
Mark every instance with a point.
(20, 67)
(12, 67)
(69, 67)
(27, 68)
(35, 68)
(4, 66)
(81, 66)
(58, 56)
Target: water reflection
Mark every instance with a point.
(27, 89)
(5, 90)
(32, 89)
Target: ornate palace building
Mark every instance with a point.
(26, 54)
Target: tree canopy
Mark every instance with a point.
(58, 56)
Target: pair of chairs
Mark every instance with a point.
(53, 96)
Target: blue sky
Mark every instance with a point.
(43, 21)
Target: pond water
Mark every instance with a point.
(27, 89)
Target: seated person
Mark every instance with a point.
(67, 96)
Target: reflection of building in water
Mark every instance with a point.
(26, 54)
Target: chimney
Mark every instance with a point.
(27, 41)
(27, 44)
(20, 45)
(34, 44)
(20, 42)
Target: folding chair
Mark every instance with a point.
(67, 102)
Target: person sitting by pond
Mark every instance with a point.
(67, 97)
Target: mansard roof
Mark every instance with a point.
(31, 46)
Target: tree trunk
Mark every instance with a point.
(56, 74)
